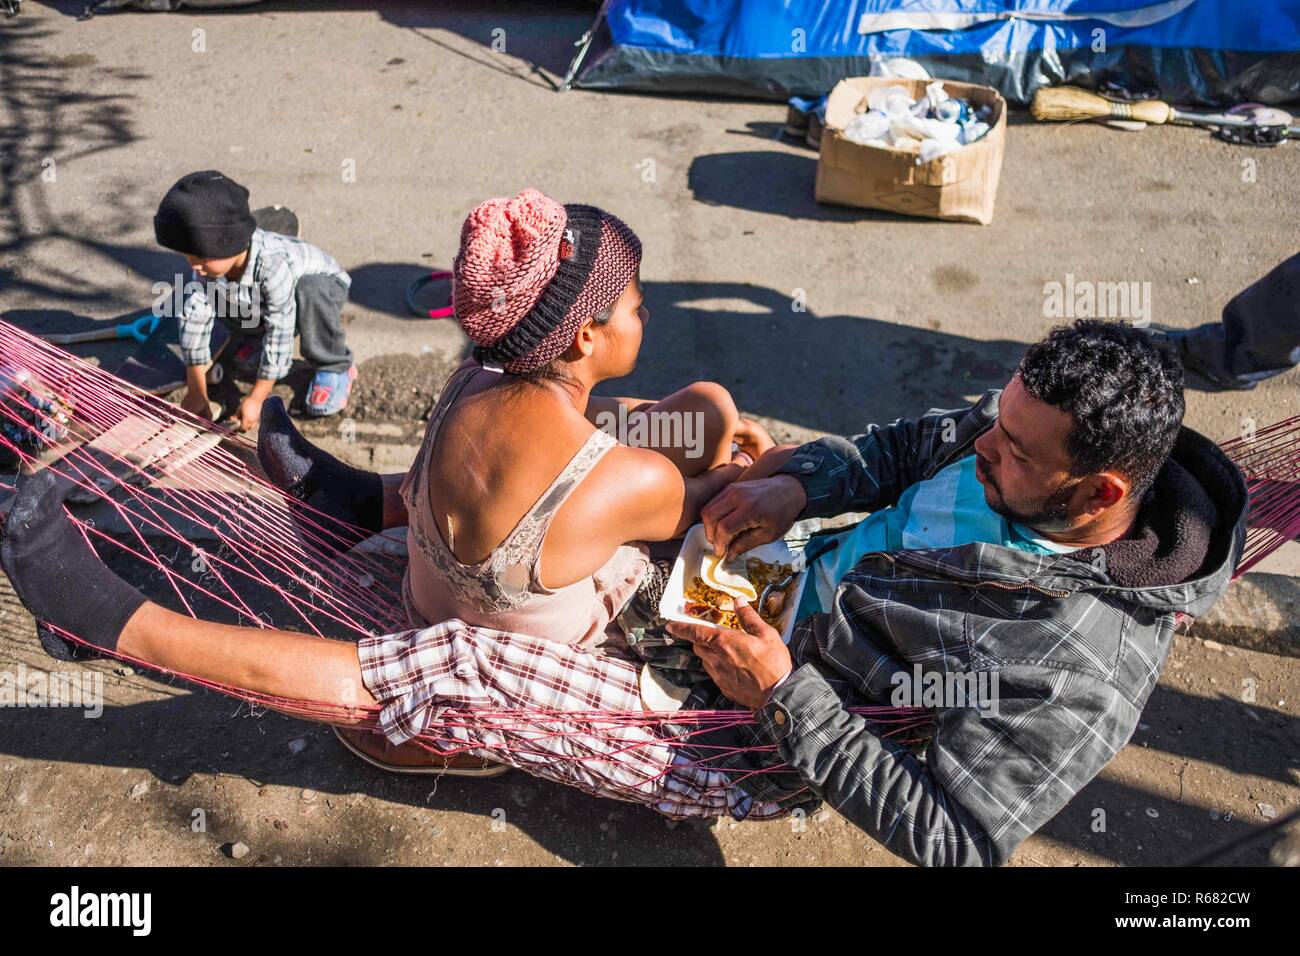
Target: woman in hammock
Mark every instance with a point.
(523, 516)
(554, 710)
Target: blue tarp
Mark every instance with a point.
(1192, 51)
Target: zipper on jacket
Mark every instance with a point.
(1022, 587)
(986, 584)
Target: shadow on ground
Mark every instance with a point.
(540, 32)
(386, 287)
(787, 187)
(1142, 827)
(55, 112)
(189, 734)
(829, 373)
(826, 373)
(58, 111)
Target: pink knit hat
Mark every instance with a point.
(530, 270)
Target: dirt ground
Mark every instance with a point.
(382, 125)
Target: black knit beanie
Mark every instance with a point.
(205, 215)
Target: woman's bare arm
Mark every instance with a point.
(693, 427)
(598, 405)
(650, 500)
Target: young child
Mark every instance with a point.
(264, 285)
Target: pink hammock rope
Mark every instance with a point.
(161, 481)
(178, 506)
(1270, 460)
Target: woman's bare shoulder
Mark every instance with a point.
(627, 487)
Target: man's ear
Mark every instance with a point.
(1109, 489)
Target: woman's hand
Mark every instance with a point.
(752, 438)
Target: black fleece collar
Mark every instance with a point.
(1170, 540)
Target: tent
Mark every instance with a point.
(1192, 51)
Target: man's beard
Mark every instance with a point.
(1052, 514)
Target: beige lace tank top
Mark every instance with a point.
(505, 591)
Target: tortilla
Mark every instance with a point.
(727, 577)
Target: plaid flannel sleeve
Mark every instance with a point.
(280, 317)
(878, 785)
(196, 318)
(869, 471)
(990, 777)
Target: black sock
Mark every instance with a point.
(59, 647)
(56, 575)
(316, 477)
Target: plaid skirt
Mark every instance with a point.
(551, 710)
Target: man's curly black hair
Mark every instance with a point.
(1124, 390)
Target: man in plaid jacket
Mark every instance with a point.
(1116, 521)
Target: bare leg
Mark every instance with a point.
(276, 663)
(394, 506)
(293, 667)
(281, 664)
(695, 426)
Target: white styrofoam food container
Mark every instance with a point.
(672, 606)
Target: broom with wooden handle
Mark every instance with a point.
(1070, 103)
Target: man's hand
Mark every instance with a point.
(746, 667)
(751, 513)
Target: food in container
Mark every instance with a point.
(703, 590)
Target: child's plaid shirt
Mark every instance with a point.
(264, 295)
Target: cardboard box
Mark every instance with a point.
(960, 186)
